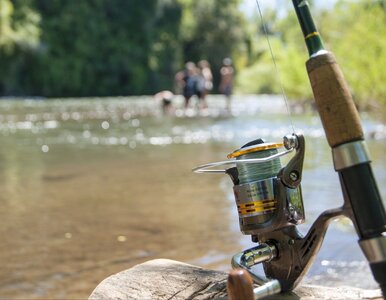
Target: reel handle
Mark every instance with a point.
(266, 286)
(285, 254)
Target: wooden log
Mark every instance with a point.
(163, 279)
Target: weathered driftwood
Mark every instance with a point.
(162, 279)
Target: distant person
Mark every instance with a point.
(188, 79)
(205, 82)
(226, 81)
(165, 99)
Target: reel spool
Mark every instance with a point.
(264, 201)
(254, 192)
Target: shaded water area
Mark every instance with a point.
(91, 187)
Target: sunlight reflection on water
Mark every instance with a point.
(118, 121)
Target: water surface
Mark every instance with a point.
(91, 187)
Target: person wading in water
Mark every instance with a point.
(226, 81)
(188, 80)
(205, 82)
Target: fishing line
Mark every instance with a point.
(259, 175)
(256, 172)
(276, 68)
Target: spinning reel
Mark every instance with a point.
(270, 205)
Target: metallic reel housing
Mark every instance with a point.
(269, 204)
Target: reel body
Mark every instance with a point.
(270, 205)
(267, 205)
(272, 199)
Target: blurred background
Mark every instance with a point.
(108, 48)
(95, 177)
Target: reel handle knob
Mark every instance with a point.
(240, 285)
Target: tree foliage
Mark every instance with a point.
(165, 54)
(352, 30)
(102, 47)
(358, 41)
(91, 47)
(19, 44)
(212, 30)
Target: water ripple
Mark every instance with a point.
(135, 121)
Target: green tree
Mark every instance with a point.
(100, 47)
(352, 30)
(95, 47)
(166, 49)
(213, 30)
(19, 43)
(289, 56)
(357, 39)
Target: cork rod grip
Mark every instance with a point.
(333, 99)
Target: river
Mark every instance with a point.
(90, 187)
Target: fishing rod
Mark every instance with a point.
(269, 197)
(344, 133)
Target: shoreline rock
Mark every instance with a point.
(162, 279)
